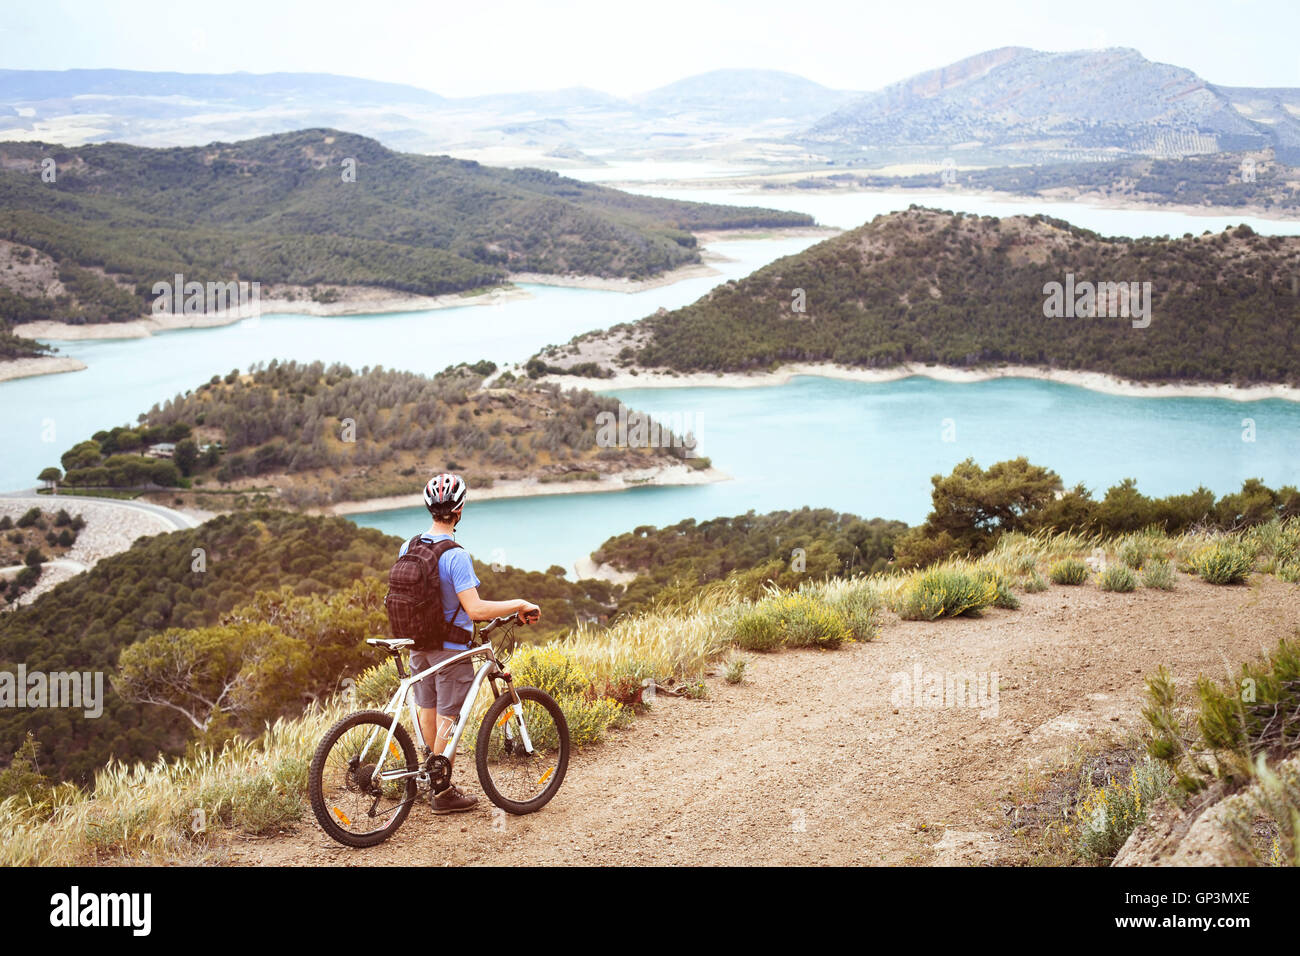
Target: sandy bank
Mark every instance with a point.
(361, 300)
(532, 487)
(1063, 195)
(1093, 381)
(696, 270)
(585, 569)
(44, 365)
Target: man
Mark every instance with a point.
(440, 697)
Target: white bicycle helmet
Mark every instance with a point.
(444, 494)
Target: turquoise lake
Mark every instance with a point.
(864, 448)
(870, 449)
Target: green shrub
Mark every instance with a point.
(795, 620)
(805, 621)
(755, 629)
(1158, 574)
(944, 592)
(1106, 816)
(1118, 577)
(736, 670)
(1225, 562)
(1035, 583)
(1068, 571)
(587, 719)
(1003, 596)
(261, 806)
(694, 689)
(1234, 722)
(375, 686)
(1134, 553)
(860, 607)
(549, 669)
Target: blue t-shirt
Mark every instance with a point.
(455, 574)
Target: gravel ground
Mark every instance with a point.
(813, 761)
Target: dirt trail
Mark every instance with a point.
(809, 762)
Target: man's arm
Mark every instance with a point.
(481, 610)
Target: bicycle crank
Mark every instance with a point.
(438, 769)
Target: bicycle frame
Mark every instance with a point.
(489, 668)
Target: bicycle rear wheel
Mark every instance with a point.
(522, 753)
(350, 804)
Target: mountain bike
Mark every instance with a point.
(365, 774)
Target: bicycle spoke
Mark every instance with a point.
(521, 774)
(357, 800)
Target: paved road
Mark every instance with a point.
(75, 567)
(173, 517)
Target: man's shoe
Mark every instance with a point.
(452, 800)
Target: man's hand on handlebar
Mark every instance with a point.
(528, 614)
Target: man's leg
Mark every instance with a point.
(453, 688)
(436, 728)
(443, 733)
(429, 726)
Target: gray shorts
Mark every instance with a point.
(445, 690)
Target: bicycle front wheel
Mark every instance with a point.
(522, 752)
(351, 800)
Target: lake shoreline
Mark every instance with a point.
(376, 300)
(760, 186)
(38, 365)
(363, 300)
(532, 487)
(695, 270)
(1092, 381)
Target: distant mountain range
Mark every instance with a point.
(1114, 101)
(1009, 105)
(165, 109)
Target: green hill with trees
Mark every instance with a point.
(964, 290)
(973, 507)
(320, 434)
(310, 207)
(784, 547)
(272, 606)
(16, 347)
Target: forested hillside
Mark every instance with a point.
(84, 623)
(964, 290)
(15, 346)
(323, 434)
(281, 601)
(1217, 180)
(310, 207)
(784, 547)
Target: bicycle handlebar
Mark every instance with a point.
(502, 621)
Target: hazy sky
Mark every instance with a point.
(487, 46)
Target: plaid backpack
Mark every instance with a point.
(414, 598)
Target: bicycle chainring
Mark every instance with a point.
(438, 768)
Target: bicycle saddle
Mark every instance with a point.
(392, 643)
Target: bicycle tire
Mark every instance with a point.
(315, 784)
(483, 743)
